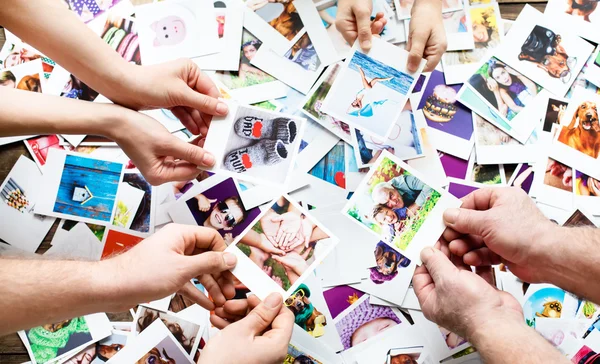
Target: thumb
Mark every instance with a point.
(417, 42)
(261, 317)
(437, 263)
(466, 221)
(209, 263)
(363, 24)
(277, 218)
(191, 153)
(213, 200)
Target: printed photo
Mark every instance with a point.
(586, 355)
(68, 225)
(185, 332)
(286, 245)
(546, 302)
(121, 35)
(88, 10)
(50, 341)
(332, 167)
(556, 109)
(363, 321)
(304, 54)
(505, 89)
(404, 356)
(279, 14)
(39, 146)
(14, 54)
(339, 298)
(404, 142)
(586, 185)
(460, 189)
(88, 188)
(489, 135)
(328, 17)
(389, 262)
(583, 15)
(118, 242)
(490, 174)
(297, 356)
(459, 30)
(558, 175)
(174, 29)
(452, 340)
(102, 351)
(26, 76)
(134, 204)
(369, 94)
(165, 351)
(314, 102)
(393, 203)
(583, 130)
(453, 166)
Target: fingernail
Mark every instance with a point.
(229, 259)
(273, 300)
(366, 44)
(451, 215)
(208, 159)
(222, 108)
(427, 253)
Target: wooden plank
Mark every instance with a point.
(511, 11)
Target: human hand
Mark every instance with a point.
(458, 299)
(179, 86)
(204, 203)
(426, 35)
(492, 84)
(500, 225)
(293, 262)
(302, 237)
(166, 262)
(264, 334)
(353, 20)
(268, 247)
(159, 155)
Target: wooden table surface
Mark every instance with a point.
(12, 350)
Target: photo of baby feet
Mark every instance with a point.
(264, 153)
(257, 128)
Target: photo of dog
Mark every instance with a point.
(543, 47)
(389, 260)
(306, 314)
(583, 131)
(582, 8)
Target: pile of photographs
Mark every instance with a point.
(336, 169)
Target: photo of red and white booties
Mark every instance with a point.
(257, 128)
(264, 153)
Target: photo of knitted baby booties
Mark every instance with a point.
(264, 153)
(252, 127)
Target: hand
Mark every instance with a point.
(500, 225)
(302, 237)
(204, 203)
(166, 262)
(353, 20)
(492, 84)
(426, 35)
(159, 155)
(264, 335)
(267, 247)
(179, 86)
(458, 299)
(292, 261)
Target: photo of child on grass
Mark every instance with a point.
(394, 204)
(285, 243)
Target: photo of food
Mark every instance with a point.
(50, 341)
(121, 35)
(285, 243)
(583, 131)
(279, 14)
(393, 204)
(558, 175)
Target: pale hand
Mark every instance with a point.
(293, 262)
(500, 225)
(204, 203)
(146, 272)
(426, 35)
(261, 337)
(353, 20)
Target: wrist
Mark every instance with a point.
(494, 327)
(429, 4)
(106, 275)
(544, 244)
(116, 123)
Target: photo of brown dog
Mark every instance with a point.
(543, 47)
(306, 314)
(582, 8)
(583, 132)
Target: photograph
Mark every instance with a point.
(50, 341)
(363, 321)
(340, 297)
(261, 146)
(121, 35)
(558, 176)
(304, 54)
(332, 167)
(102, 351)
(88, 10)
(554, 112)
(402, 344)
(175, 29)
(16, 53)
(328, 17)
(547, 301)
(586, 193)
(405, 142)
(118, 242)
(214, 203)
(542, 48)
(553, 181)
(314, 101)
(453, 166)
(460, 188)
(459, 30)
(282, 247)
(371, 90)
(452, 340)
(297, 356)
(488, 31)
(583, 130)
(19, 193)
(582, 15)
(27, 76)
(281, 15)
(489, 174)
(185, 332)
(76, 89)
(38, 147)
(489, 135)
(442, 343)
(134, 204)
(396, 204)
(505, 89)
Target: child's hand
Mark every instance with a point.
(204, 203)
(426, 36)
(353, 20)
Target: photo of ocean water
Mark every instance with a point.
(400, 82)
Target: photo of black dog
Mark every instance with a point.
(388, 261)
(543, 47)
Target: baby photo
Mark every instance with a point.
(214, 203)
(539, 47)
(405, 142)
(261, 145)
(174, 29)
(363, 321)
(185, 332)
(371, 90)
(396, 204)
(314, 101)
(79, 187)
(282, 246)
(26, 76)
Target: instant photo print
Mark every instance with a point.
(586, 192)
(553, 182)
(402, 344)
(442, 343)
(545, 50)
(79, 187)
(581, 16)
(371, 89)
(27, 76)
(485, 174)
(397, 204)
(404, 7)
(268, 262)
(135, 204)
(548, 301)
(174, 29)
(261, 147)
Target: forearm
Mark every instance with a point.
(28, 113)
(37, 291)
(571, 256)
(434, 3)
(45, 23)
(503, 341)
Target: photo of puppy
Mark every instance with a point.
(306, 315)
(388, 261)
(583, 132)
(543, 47)
(552, 309)
(583, 8)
